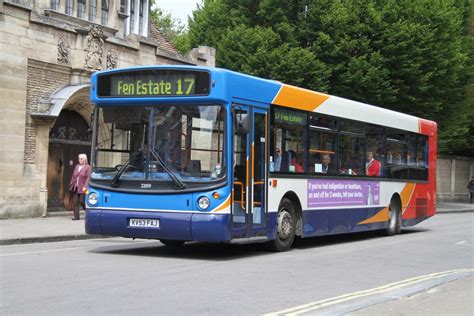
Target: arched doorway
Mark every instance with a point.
(68, 138)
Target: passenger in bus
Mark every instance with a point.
(139, 162)
(389, 157)
(293, 164)
(411, 159)
(397, 159)
(277, 160)
(347, 167)
(326, 162)
(372, 166)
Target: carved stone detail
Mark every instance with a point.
(63, 49)
(112, 57)
(94, 50)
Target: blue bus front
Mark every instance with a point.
(160, 160)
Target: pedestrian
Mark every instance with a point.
(470, 186)
(78, 184)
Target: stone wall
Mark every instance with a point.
(453, 174)
(43, 51)
(42, 80)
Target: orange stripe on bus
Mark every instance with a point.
(381, 216)
(299, 98)
(224, 205)
(406, 194)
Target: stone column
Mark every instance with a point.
(453, 178)
(42, 146)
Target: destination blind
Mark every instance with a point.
(153, 83)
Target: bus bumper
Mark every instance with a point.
(172, 225)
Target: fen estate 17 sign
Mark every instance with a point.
(153, 83)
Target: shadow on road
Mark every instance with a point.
(227, 251)
(192, 250)
(323, 241)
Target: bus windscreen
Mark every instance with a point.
(153, 83)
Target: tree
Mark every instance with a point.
(413, 56)
(456, 130)
(173, 29)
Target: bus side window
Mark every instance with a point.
(351, 155)
(375, 150)
(285, 161)
(289, 134)
(322, 151)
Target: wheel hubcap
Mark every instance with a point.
(391, 217)
(285, 224)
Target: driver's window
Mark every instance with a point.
(120, 134)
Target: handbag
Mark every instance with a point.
(68, 201)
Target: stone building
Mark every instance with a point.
(48, 50)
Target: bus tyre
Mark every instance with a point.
(173, 243)
(394, 218)
(286, 224)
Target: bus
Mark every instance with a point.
(188, 153)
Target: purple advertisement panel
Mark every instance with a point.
(333, 193)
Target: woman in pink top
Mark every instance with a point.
(78, 184)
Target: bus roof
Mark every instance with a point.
(238, 87)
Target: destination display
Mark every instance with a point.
(290, 117)
(153, 83)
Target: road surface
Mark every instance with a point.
(330, 275)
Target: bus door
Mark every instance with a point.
(249, 209)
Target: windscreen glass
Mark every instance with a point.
(150, 142)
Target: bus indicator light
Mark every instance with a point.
(274, 183)
(215, 195)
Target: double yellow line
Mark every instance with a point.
(310, 307)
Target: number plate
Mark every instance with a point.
(144, 222)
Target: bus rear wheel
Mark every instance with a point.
(394, 218)
(286, 223)
(173, 243)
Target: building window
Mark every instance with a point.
(123, 6)
(132, 16)
(69, 7)
(105, 12)
(137, 22)
(92, 10)
(54, 4)
(81, 8)
(140, 24)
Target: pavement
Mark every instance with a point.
(58, 226)
(456, 298)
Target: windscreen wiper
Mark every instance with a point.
(179, 184)
(115, 181)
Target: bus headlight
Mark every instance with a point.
(203, 202)
(92, 199)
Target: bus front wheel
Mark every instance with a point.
(170, 242)
(286, 223)
(394, 218)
